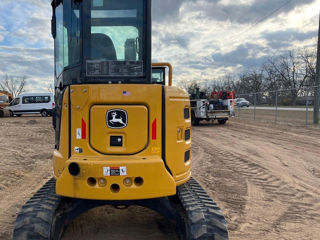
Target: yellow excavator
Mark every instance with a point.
(122, 136)
(5, 99)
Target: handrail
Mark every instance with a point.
(165, 64)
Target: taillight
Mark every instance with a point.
(53, 105)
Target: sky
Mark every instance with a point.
(202, 39)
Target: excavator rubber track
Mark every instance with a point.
(47, 215)
(37, 217)
(204, 219)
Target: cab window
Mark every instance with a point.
(59, 40)
(158, 75)
(116, 39)
(68, 39)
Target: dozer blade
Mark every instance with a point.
(47, 215)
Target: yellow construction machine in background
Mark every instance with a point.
(5, 99)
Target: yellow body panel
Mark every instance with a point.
(157, 182)
(176, 101)
(60, 156)
(142, 155)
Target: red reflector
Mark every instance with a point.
(83, 129)
(154, 129)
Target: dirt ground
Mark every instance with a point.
(266, 179)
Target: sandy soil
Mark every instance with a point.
(25, 164)
(265, 178)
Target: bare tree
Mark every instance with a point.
(228, 82)
(193, 87)
(292, 73)
(251, 82)
(309, 59)
(271, 76)
(14, 85)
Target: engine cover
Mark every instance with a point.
(119, 129)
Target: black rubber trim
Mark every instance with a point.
(186, 113)
(31, 111)
(163, 135)
(69, 112)
(187, 134)
(61, 94)
(187, 156)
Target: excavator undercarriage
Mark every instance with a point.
(195, 215)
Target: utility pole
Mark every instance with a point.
(317, 89)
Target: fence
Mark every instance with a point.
(290, 106)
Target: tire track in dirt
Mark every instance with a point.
(262, 177)
(308, 138)
(213, 175)
(25, 164)
(287, 150)
(16, 193)
(298, 206)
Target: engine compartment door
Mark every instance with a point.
(119, 129)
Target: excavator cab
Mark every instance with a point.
(120, 139)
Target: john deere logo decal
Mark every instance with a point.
(117, 118)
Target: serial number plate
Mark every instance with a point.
(115, 171)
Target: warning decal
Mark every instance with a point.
(79, 133)
(115, 171)
(82, 132)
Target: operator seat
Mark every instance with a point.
(102, 47)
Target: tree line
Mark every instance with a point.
(289, 75)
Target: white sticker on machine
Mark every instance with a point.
(79, 135)
(115, 171)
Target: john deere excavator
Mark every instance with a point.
(120, 139)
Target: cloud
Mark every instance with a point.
(29, 62)
(203, 39)
(244, 54)
(3, 33)
(27, 22)
(284, 39)
(166, 10)
(36, 64)
(242, 11)
(219, 41)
